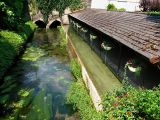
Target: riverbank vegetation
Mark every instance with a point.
(15, 29)
(126, 102)
(63, 41)
(46, 7)
(132, 103)
(79, 97)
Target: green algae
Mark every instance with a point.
(103, 79)
(33, 54)
(41, 107)
(27, 97)
(20, 105)
(23, 93)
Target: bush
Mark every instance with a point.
(154, 13)
(111, 7)
(63, 39)
(132, 103)
(78, 96)
(77, 5)
(11, 44)
(26, 29)
(7, 15)
(75, 69)
(12, 14)
(121, 9)
(150, 5)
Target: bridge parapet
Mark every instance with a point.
(54, 16)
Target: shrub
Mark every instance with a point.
(7, 15)
(11, 44)
(121, 9)
(63, 39)
(26, 29)
(150, 5)
(11, 13)
(75, 69)
(154, 13)
(79, 4)
(111, 7)
(132, 103)
(78, 96)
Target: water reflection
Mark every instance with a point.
(43, 78)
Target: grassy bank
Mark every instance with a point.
(79, 97)
(11, 43)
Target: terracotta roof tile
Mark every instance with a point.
(140, 32)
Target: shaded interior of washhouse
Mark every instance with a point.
(125, 63)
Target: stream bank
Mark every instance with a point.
(35, 88)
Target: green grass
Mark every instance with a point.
(79, 97)
(75, 69)
(153, 13)
(41, 107)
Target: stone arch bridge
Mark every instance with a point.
(53, 19)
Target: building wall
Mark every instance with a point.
(129, 5)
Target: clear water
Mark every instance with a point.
(36, 87)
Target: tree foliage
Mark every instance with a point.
(47, 6)
(130, 103)
(12, 14)
(77, 4)
(150, 5)
(111, 7)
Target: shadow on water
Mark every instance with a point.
(36, 87)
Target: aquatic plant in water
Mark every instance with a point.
(24, 97)
(33, 53)
(41, 107)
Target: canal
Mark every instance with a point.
(35, 88)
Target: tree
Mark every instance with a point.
(150, 5)
(47, 6)
(111, 7)
(77, 5)
(11, 14)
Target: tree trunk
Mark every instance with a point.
(60, 16)
(45, 17)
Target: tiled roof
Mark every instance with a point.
(138, 31)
